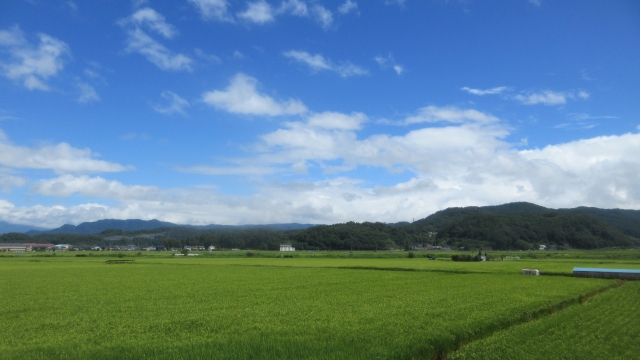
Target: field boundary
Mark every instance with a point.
(535, 315)
(375, 268)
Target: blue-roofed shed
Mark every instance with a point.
(625, 274)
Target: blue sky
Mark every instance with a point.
(314, 111)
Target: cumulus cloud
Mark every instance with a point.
(459, 165)
(32, 64)
(259, 12)
(61, 158)
(87, 93)
(175, 104)
(492, 91)
(318, 62)
(213, 9)
(140, 42)
(242, 97)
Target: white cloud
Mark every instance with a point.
(583, 94)
(347, 7)
(151, 19)
(87, 93)
(176, 104)
(32, 64)
(323, 16)
(140, 42)
(241, 97)
(259, 12)
(294, 7)
(212, 58)
(230, 170)
(535, 2)
(318, 62)
(67, 185)
(333, 120)
(395, 2)
(545, 97)
(8, 182)
(213, 9)
(61, 158)
(452, 114)
(492, 91)
(459, 165)
(387, 61)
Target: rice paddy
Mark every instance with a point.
(68, 307)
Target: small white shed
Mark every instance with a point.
(530, 272)
(287, 247)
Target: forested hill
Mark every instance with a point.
(509, 226)
(625, 221)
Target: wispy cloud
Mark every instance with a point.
(139, 41)
(294, 7)
(431, 114)
(395, 2)
(32, 64)
(323, 16)
(208, 57)
(259, 12)
(152, 20)
(87, 93)
(347, 7)
(213, 9)
(385, 62)
(242, 97)
(174, 104)
(318, 62)
(546, 97)
(492, 91)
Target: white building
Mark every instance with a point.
(287, 247)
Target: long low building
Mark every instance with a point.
(21, 247)
(625, 274)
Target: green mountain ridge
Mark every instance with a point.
(512, 226)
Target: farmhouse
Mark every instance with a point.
(287, 247)
(625, 274)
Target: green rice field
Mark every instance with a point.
(229, 306)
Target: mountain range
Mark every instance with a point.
(509, 226)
